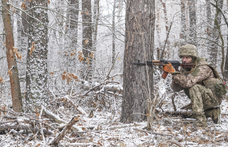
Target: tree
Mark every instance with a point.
(10, 52)
(192, 17)
(183, 23)
(87, 39)
(37, 72)
(216, 33)
(139, 43)
(72, 34)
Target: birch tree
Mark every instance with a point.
(10, 53)
(139, 43)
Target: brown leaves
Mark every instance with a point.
(80, 56)
(17, 53)
(32, 48)
(86, 41)
(10, 73)
(1, 80)
(23, 6)
(51, 73)
(69, 77)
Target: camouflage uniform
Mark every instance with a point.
(204, 102)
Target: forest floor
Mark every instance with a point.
(103, 128)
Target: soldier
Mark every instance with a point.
(199, 84)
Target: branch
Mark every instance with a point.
(55, 142)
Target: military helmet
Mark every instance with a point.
(188, 50)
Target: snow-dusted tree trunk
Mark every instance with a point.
(209, 22)
(87, 39)
(113, 31)
(37, 73)
(215, 33)
(139, 45)
(192, 17)
(72, 35)
(12, 64)
(96, 14)
(183, 23)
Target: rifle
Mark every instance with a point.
(174, 63)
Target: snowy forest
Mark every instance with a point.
(67, 73)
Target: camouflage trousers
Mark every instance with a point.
(203, 100)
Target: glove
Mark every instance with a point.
(168, 68)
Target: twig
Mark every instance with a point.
(112, 66)
(174, 106)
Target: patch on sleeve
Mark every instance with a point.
(195, 72)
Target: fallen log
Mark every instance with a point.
(55, 142)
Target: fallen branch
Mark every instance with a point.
(184, 114)
(57, 119)
(55, 142)
(153, 132)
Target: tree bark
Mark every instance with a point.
(12, 64)
(215, 33)
(113, 32)
(192, 16)
(37, 72)
(72, 36)
(183, 23)
(87, 39)
(139, 44)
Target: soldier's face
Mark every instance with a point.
(186, 59)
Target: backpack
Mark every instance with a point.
(217, 85)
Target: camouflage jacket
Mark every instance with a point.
(187, 79)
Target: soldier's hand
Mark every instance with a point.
(168, 68)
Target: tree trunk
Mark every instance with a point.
(87, 39)
(183, 23)
(95, 29)
(12, 64)
(37, 72)
(215, 33)
(209, 23)
(113, 31)
(139, 44)
(72, 33)
(192, 17)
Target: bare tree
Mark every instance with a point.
(183, 22)
(139, 43)
(37, 72)
(87, 39)
(192, 16)
(72, 34)
(113, 31)
(215, 33)
(10, 52)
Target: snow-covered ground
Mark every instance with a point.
(105, 129)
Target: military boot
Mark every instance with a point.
(201, 121)
(214, 114)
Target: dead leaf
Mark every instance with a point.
(86, 41)
(52, 73)
(23, 6)
(32, 48)
(10, 73)
(1, 79)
